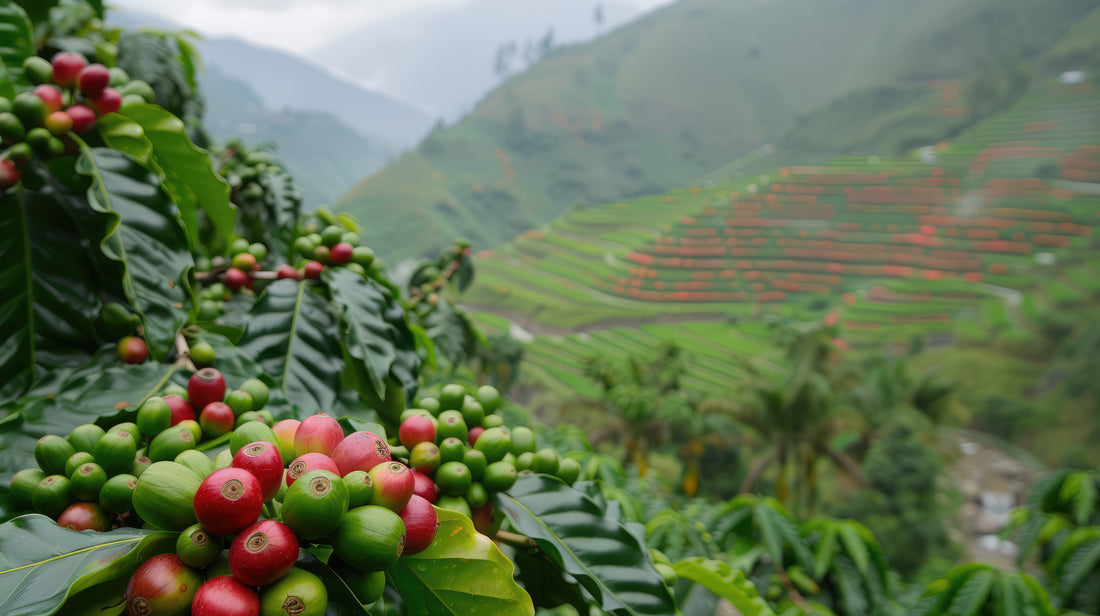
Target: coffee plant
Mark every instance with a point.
(196, 414)
(214, 400)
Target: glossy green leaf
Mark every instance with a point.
(16, 43)
(726, 582)
(374, 331)
(48, 281)
(585, 539)
(294, 336)
(189, 176)
(366, 335)
(462, 572)
(972, 595)
(123, 134)
(41, 563)
(144, 235)
(1082, 563)
(854, 546)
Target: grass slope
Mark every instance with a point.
(675, 95)
(978, 250)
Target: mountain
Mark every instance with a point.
(282, 80)
(680, 92)
(443, 60)
(324, 155)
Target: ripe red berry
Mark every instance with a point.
(216, 419)
(83, 118)
(287, 271)
(424, 487)
(415, 430)
(93, 79)
(9, 174)
(309, 462)
(181, 410)
(228, 500)
(107, 101)
(50, 95)
(132, 350)
(235, 279)
(319, 433)
(392, 485)
(341, 253)
(471, 436)
(360, 451)
(263, 553)
(264, 461)
(313, 269)
(225, 596)
(67, 67)
(205, 386)
(161, 585)
(421, 523)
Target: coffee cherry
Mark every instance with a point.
(67, 67)
(108, 101)
(313, 270)
(49, 95)
(132, 350)
(93, 79)
(83, 118)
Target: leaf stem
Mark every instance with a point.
(516, 540)
(792, 592)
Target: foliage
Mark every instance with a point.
(1060, 525)
(978, 588)
(578, 532)
(901, 504)
(54, 563)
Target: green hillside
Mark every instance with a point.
(590, 125)
(986, 247)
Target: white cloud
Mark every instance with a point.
(292, 25)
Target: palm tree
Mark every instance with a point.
(798, 417)
(649, 405)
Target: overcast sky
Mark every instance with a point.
(293, 25)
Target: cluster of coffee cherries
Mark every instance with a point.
(228, 275)
(70, 95)
(462, 452)
(245, 514)
(85, 481)
(332, 246)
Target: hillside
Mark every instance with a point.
(324, 154)
(672, 96)
(282, 80)
(981, 252)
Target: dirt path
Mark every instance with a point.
(991, 481)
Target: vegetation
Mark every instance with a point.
(609, 120)
(785, 451)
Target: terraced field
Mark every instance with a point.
(970, 240)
